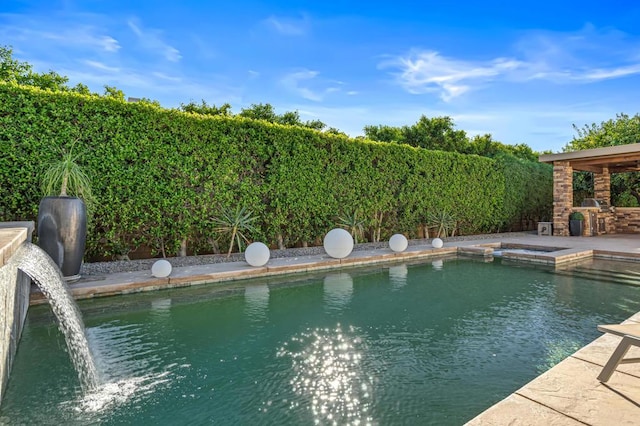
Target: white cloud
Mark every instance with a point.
(428, 71)
(101, 66)
(606, 74)
(163, 76)
(109, 44)
(170, 90)
(99, 50)
(137, 31)
(293, 83)
(309, 85)
(152, 41)
(288, 26)
(73, 35)
(584, 56)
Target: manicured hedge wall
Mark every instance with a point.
(159, 175)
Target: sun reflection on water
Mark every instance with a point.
(328, 373)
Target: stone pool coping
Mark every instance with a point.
(10, 241)
(567, 394)
(140, 281)
(565, 251)
(570, 394)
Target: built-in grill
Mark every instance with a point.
(592, 202)
(597, 220)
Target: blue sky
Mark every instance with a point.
(523, 73)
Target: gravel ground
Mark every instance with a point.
(101, 268)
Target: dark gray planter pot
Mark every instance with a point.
(575, 228)
(62, 232)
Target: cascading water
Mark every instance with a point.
(33, 261)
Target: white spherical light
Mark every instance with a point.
(398, 243)
(338, 243)
(437, 243)
(161, 268)
(257, 254)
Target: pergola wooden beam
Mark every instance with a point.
(621, 158)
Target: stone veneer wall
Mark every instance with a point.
(602, 186)
(627, 220)
(609, 222)
(15, 287)
(562, 197)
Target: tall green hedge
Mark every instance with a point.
(160, 175)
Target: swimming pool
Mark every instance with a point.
(433, 343)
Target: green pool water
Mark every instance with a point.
(433, 343)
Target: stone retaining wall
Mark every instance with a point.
(15, 287)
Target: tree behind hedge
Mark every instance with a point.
(625, 187)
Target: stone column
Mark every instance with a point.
(562, 197)
(602, 186)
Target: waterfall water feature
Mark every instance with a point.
(33, 261)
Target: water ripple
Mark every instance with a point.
(131, 364)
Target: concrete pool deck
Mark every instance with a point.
(567, 394)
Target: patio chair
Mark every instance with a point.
(630, 334)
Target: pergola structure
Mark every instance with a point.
(602, 162)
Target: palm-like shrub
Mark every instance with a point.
(353, 225)
(235, 224)
(66, 177)
(443, 221)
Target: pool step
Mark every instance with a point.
(618, 276)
